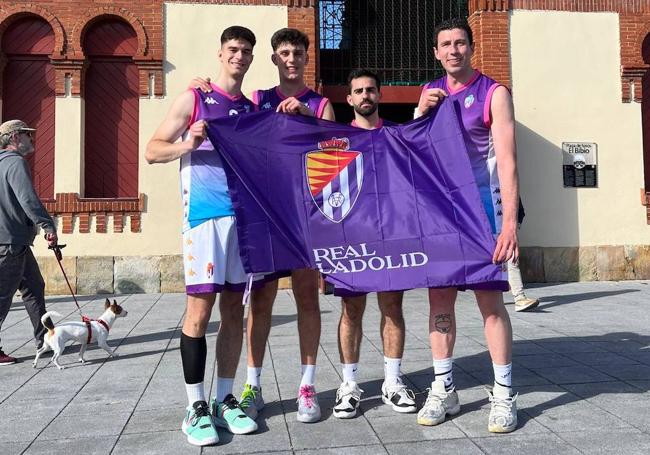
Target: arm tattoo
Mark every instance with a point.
(442, 322)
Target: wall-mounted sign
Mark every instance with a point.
(579, 163)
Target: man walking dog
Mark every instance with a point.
(21, 211)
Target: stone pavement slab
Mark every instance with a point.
(581, 365)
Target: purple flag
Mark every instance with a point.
(388, 209)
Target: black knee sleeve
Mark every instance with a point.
(193, 354)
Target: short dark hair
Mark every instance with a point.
(291, 36)
(451, 24)
(356, 74)
(238, 32)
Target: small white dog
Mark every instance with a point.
(83, 331)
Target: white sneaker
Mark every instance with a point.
(308, 407)
(525, 303)
(401, 398)
(251, 401)
(348, 397)
(439, 404)
(503, 410)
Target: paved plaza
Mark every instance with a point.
(581, 367)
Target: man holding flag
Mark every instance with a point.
(210, 249)
(291, 96)
(364, 98)
(394, 208)
(488, 120)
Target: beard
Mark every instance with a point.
(24, 149)
(366, 111)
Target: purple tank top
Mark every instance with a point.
(271, 98)
(204, 188)
(473, 102)
(381, 124)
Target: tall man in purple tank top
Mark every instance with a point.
(291, 96)
(489, 128)
(364, 98)
(210, 248)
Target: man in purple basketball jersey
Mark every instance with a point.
(364, 98)
(488, 126)
(210, 248)
(291, 96)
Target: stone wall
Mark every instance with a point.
(114, 275)
(585, 263)
(117, 275)
(153, 274)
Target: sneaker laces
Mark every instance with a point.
(502, 406)
(248, 396)
(307, 393)
(435, 399)
(200, 410)
(346, 389)
(231, 402)
(399, 389)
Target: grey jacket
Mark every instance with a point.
(20, 208)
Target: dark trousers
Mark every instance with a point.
(19, 271)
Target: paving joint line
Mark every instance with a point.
(144, 390)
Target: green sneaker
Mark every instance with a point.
(251, 401)
(229, 415)
(198, 425)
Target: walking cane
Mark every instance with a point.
(59, 258)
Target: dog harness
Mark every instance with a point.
(87, 321)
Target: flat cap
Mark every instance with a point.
(12, 126)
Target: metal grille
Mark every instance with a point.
(391, 37)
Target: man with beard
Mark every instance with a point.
(20, 212)
(364, 97)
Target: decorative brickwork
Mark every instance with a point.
(489, 20)
(68, 206)
(70, 19)
(304, 18)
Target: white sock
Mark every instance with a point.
(443, 371)
(224, 388)
(392, 370)
(254, 374)
(350, 372)
(195, 393)
(308, 374)
(503, 374)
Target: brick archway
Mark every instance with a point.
(9, 15)
(645, 121)
(97, 14)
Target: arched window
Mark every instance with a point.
(645, 113)
(28, 92)
(111, 111)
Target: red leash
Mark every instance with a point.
(59, 258)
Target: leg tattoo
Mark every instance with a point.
(442, 322)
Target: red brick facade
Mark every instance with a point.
(70, 19)
(489, 20)
(70, 205)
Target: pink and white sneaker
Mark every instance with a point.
(308, 408)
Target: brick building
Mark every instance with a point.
(95, 78)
